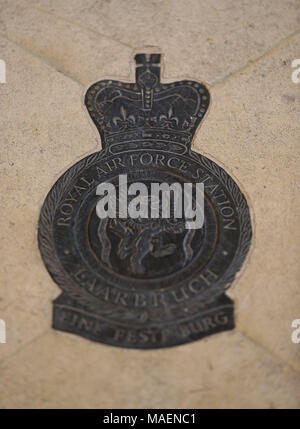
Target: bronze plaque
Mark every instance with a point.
(133, 281)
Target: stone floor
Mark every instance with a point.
(53, 51)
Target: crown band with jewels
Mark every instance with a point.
(147, 110)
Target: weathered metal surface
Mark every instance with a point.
(144, 283)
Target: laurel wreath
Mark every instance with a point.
(82, 296)
(243, 216)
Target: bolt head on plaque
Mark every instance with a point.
(144, 282)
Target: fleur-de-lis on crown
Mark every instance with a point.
(123, 118)
(169, 119)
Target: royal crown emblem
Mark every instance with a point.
(147, 110)
(144, 281)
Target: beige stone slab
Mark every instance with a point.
(82, 54)
(253, 128)
(43, 130)
(60, 370)
(209, 39)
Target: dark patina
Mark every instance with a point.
(144, 283)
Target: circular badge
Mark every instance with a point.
(144, 282)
